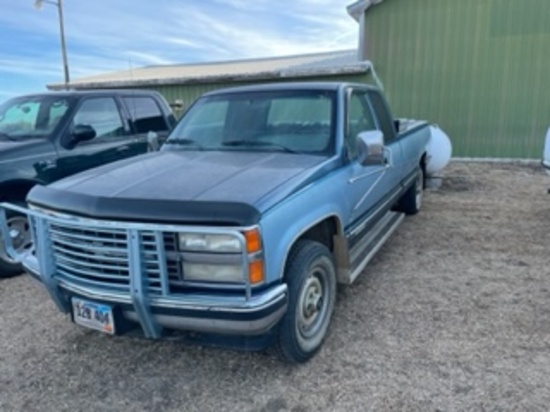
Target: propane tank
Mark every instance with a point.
(439, 150)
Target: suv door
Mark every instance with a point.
(113, 138)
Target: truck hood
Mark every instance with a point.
(185, 186)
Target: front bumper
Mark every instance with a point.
(194, 313)
(241, 312)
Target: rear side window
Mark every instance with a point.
(384, 118)
(146, 114)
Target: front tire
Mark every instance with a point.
(311, 278)
(18, 226)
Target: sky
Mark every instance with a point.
(110, 35)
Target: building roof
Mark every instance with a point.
(358, 9)
(320, 64)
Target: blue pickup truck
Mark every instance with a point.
(238, 230)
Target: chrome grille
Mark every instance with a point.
(150, 263)
(173, 263)
(100, 257)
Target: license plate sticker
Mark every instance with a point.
(93, 315)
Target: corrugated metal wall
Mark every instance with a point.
(479, 68)
(189, 92)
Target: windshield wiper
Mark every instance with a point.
(183, 141)
(242, 142)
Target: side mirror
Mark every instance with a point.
(81, 133)
(370, 148)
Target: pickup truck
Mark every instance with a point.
(45, 137)
(238, 230)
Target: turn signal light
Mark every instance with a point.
(253, 240)
(256, 271)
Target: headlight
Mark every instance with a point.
(209, 243)
(212, 273)
(222, 257)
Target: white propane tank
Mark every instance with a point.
(546, 154)
(439, 149)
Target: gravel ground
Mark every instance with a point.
(452, 315)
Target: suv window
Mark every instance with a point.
(145, 114)
(102, 115)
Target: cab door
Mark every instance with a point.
(370, 187)
(393, 146)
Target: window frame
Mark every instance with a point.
(131, 114)
(102, 139)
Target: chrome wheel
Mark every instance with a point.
(311, 277)
(20, 235)
(312, 308)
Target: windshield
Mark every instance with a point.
(297, 121)
(33, 116)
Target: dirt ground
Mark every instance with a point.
(452, 315)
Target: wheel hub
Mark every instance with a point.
(20, 236)
(312, 302)
(15, 234)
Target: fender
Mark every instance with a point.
(284, 225)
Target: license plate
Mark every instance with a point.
(93, 315)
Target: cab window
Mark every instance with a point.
(382, 114)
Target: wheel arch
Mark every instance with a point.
(329, 232)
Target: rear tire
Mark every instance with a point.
(311, 278)
(19, 229)
(411, 202)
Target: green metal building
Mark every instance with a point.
(478, 68)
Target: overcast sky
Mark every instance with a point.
(108, 35)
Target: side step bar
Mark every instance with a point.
(366, 248)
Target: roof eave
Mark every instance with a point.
(355, 68)
(357, 9)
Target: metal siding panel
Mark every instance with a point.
(461, 64)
